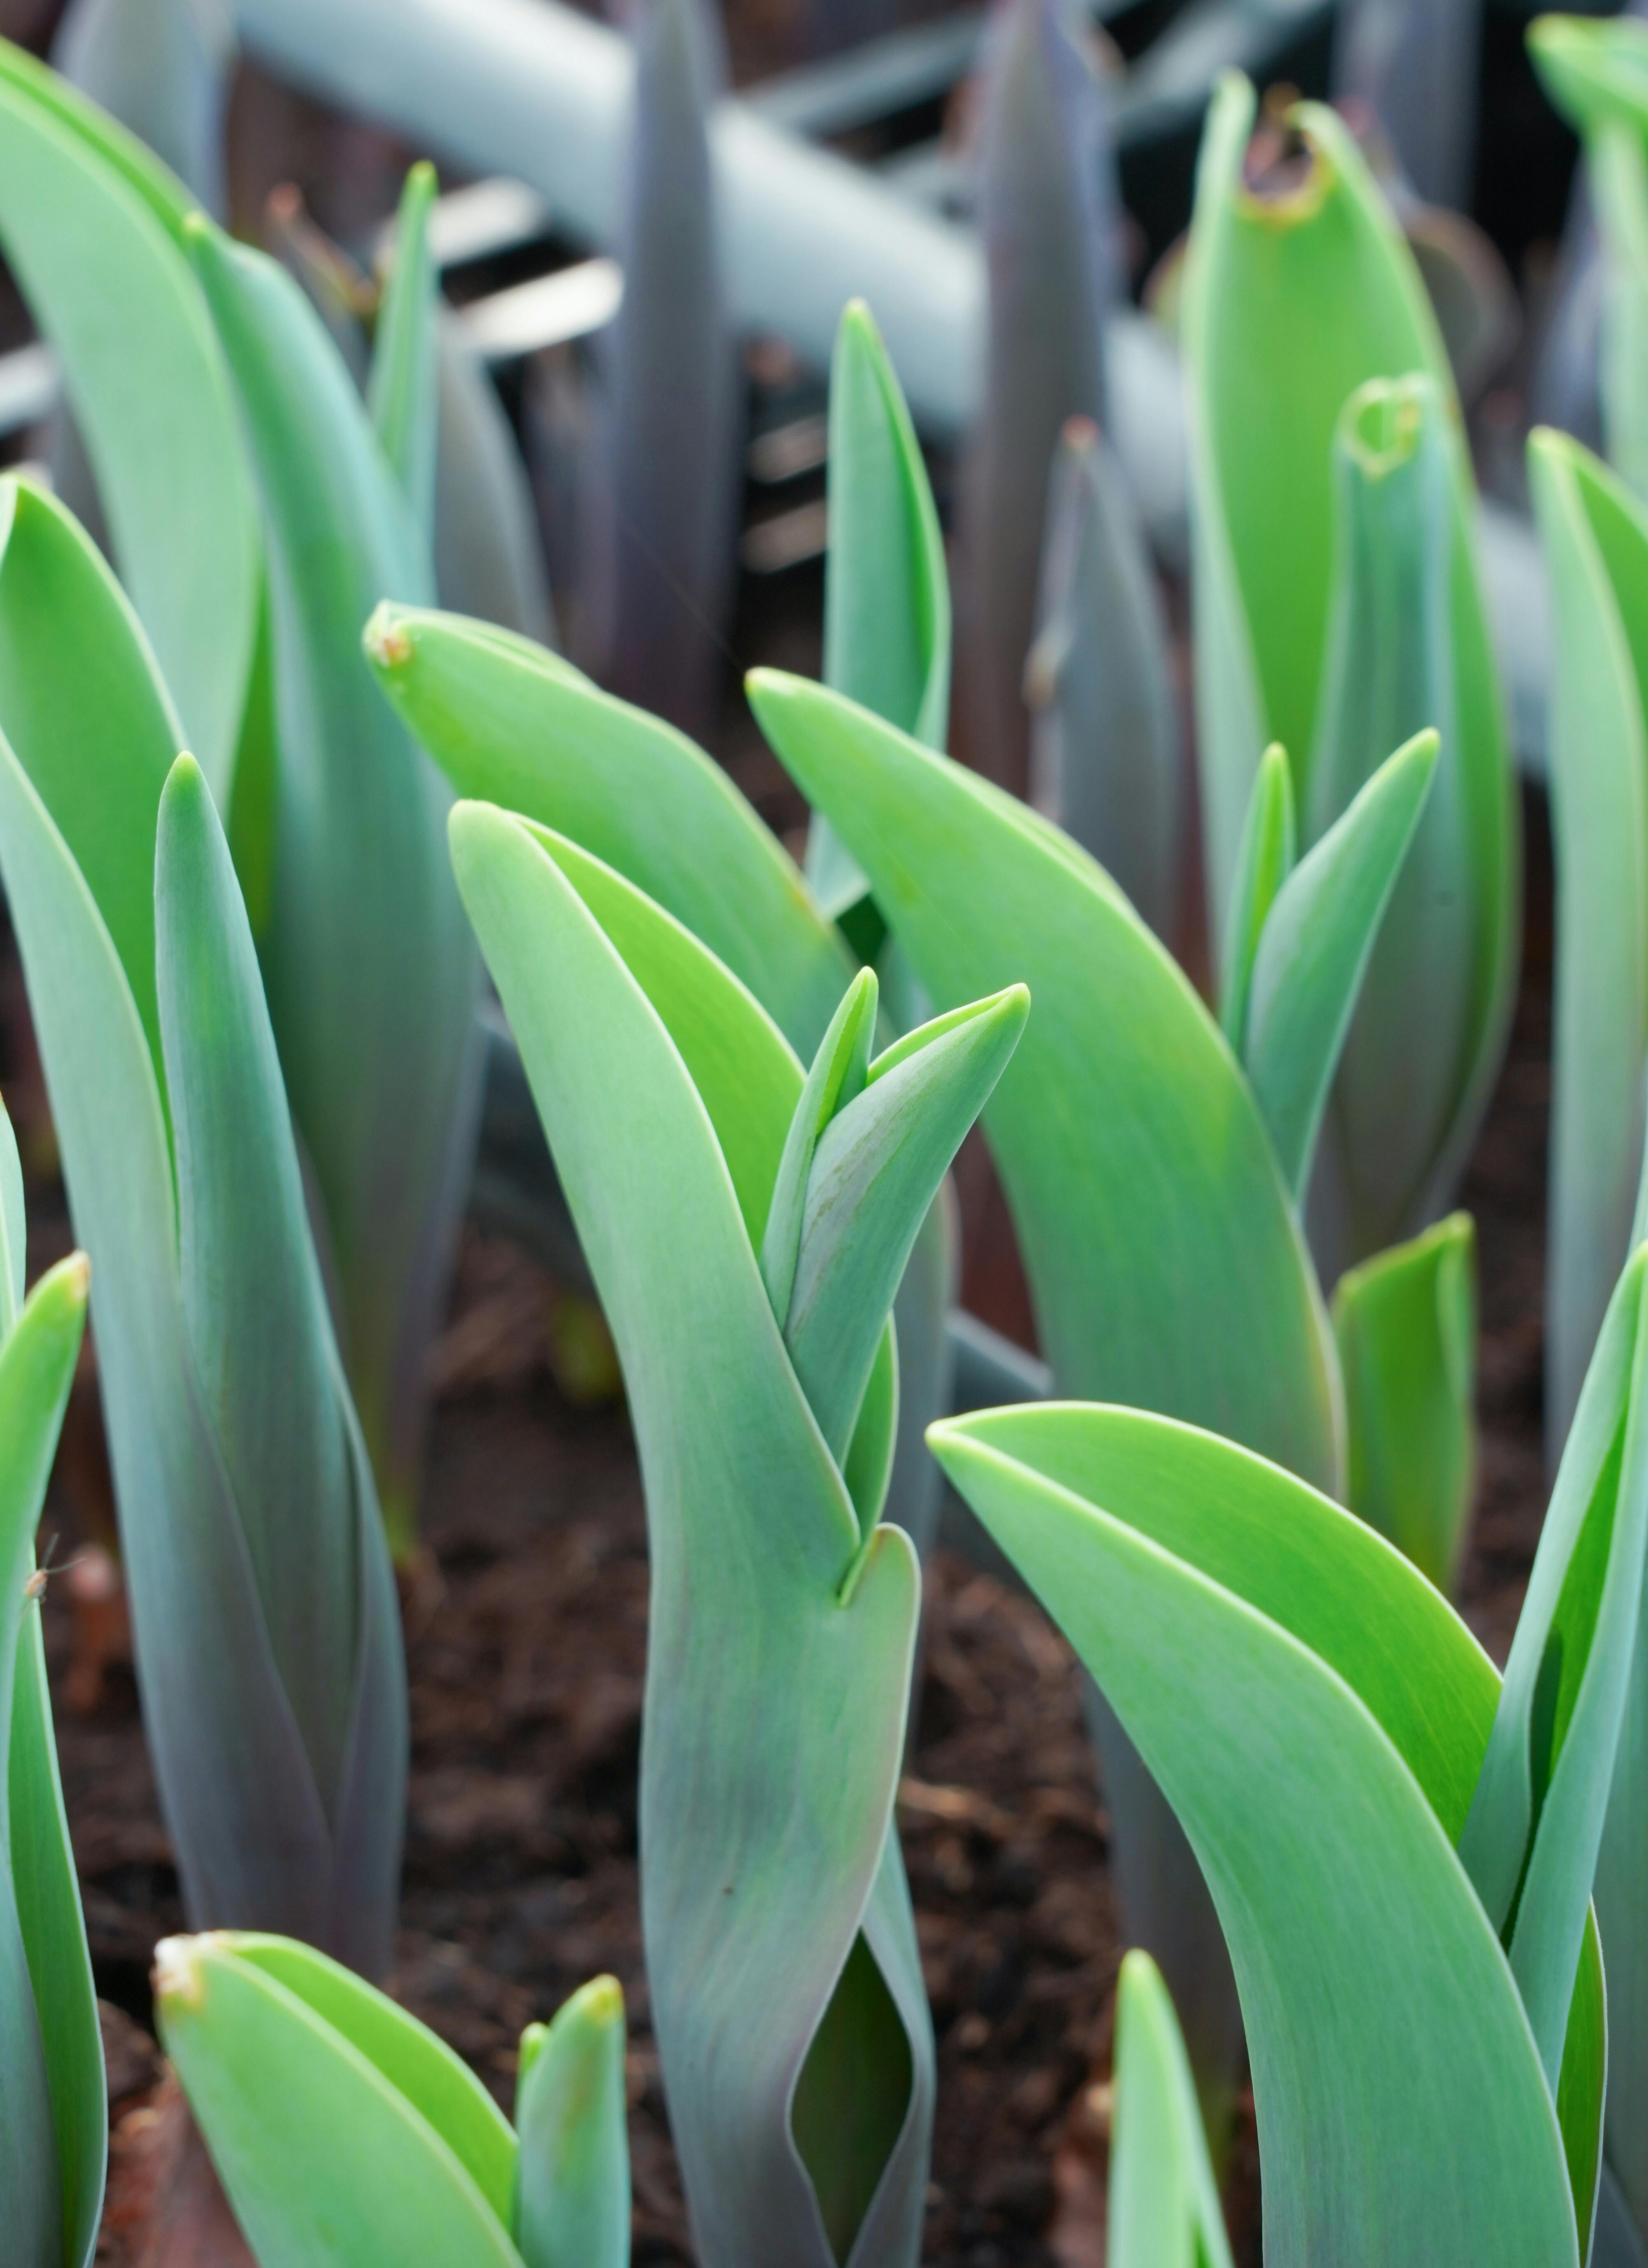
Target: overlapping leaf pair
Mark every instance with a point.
(268, 1631)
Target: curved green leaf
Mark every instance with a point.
(571, 2205)
(1316, 1715)
(1270, 848)
(1156, 1229)
(1314, 949)
(835, 1078)
(1530, 1843)
(326, 2163)
(89, 220)
(488, 556)
(512, 724)
(1406, 1323)
(886, 586)
(372, 974)
(1595, 538)
(54, 2134)
(752, 1900)
(1291, 303)
(1164, 2202)
(401, 392)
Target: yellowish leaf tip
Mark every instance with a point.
(387, 640)
(177, 1977)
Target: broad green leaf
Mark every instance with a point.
(875, 1170)
(401, 395)
(752, 1901)
(1392, 1141)
(1406, 1322)
(238, 1797)
(1164, 2203)
(1316, 1715)
(1105, 760)
(1293, 302)
(1164, 1262)
(1314, 949)
(372, 974)
(512, 724)
(1597, 76)
(89, 221)
(1270, 848)
(887, 587)
(439, 2086)
(52, 2137)
(253, 1305)
(1531, 1842)
(326, 2163)
(572, 2204)
(1595, 539)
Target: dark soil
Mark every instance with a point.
(526, 1641)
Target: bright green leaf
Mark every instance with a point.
(1270, 848)
(1164, 2202)
(571, 2205)
(401, 395)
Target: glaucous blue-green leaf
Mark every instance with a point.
(326, 2162)
(1317, 1716)
(752, 1902)
(402, 392)
(513, 724)
(161, 68)
(1536, 1819)
(1314, 949)
(1595, 537)
(1164, 2207)
(1268, 852)
(1140, 1178)
(1416, 64)
(572, 2204)
(666, 485)
(1047, 208)
(280, 1814)
(1597, 76)
(1293, 301)
(372, 974)
(1406, 1323)
(489, 556)
(1390, 1147)
(53, 2136)
(1105, 756)
(90, 222)
(887, 587)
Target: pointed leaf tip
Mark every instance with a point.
(385, 640)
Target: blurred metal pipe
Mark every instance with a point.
(528, 88)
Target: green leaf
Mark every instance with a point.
(251, 1829)
(371, 974)
(1164, 2202)
(1164, 1263)
(1315, 946)
(326, 2162)
(1316, 1715)
(1392, 1139)
(1595, 539)
(439, 2086)
(401, 395)
(1406, 1322)
(887, 586)
(13, 1227)
(1536, 1819)
(836, 1079)
(253, 1305)
(1269, 847)
(489, 554)
(512, 724)
(89, 220)
(1291, 303)
(1105, 760)
(53, 2137)
(571, 2206)
(874, 1172)
(752, 1901)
